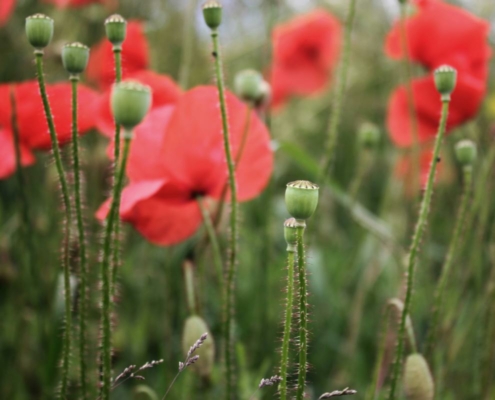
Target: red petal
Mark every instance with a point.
(72, 3)
(7, 154)
(193, 147)
(6, 9)
(33, 127)
(135, 56)
(165, 92)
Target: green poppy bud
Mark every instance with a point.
(249, 85)
(212, 13)
(39, 30)
(368, 135)
(194, 327)
(290, 233)
(130, 102)
(116, 29)
(418, 381)
(445, 81)
(75, 57)
(466, 152)
(301, 199)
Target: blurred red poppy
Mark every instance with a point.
(7, 154)
(178, 155)
(305, 51)
(135, 57)
(6, 9)
(439, 34)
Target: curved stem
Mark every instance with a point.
(328, 157)
(82, 240)
(232, 259)
(414, 250)
(284, 363)
(303, 313)
(66, 207)
(105, 271)
(455, 244)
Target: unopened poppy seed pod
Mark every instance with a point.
(368, 135)
(248, 85)
(445, 80)
(290, 233)
(75, 57)
(130, 102)
(418, 382)
(116, 29)
(194, 327)
(466, 152)
(39, 30)
(212, 13)
(301, 199)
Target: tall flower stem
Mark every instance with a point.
(66, 206)
(414, 249)
(82, 239)
(284, 364)
(303, 312)
(455, 244)
(328, 157)
(105, 270)
(232, 255)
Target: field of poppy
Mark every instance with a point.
(240, 200)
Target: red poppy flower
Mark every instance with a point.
(135, 56)
(6, 9)
(165, 92)
(439, 34)
(7, 154)
(179, 155)
(305, 51)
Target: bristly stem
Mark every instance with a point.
(232, 254)
(303, 312)
(413, 252)
(105, 271)
(82, 239)
(117, 52)
(341, 80)
(66, 206)
(455, 244)
(284, 363)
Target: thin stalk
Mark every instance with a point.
(190, 287)
(303, 313)
(284, 363)
(455, 244)
(364, 161)
(414, 250)
(328, 157)
(232, 258)
(187, 44)
(489, 346)
(105, 272)
(82, 240)
(212, 235)
(66, 207)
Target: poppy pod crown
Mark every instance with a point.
(39, 30)
(301, 199)
(75, 57)
(212, 13)
(130, 102)
(445, 80)
(466, 152)
(116, 29)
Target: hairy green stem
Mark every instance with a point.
(455, 244)
(67, 210)
(82, 240)
(414, 249)
(187, 44)
(284, 363)
(232, 255)
(105, 271)
(303, 313)
(328, 157)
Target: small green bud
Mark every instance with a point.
(249, 85)
(194, 327)
(266, 94)
(75, 57)
(445, 81)
(301, 199)
(368, 135)
(130, 102)
(466, 152)
(39, 30)
(418, 381)
(212, 13)
(116, 29)
(290, 233)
